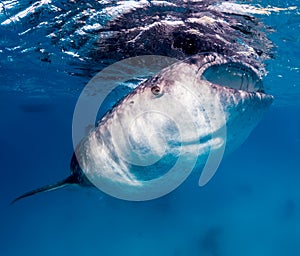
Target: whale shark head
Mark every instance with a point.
(239, 88)
(242, 96)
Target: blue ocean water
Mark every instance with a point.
(251, 206)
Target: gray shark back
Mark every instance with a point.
(90, 35)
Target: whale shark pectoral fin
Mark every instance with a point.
(69, 180)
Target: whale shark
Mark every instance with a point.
(176, 118)
(225, 93)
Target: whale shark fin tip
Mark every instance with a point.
(60, 184)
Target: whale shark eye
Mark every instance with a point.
(155, 90)
(234, 75)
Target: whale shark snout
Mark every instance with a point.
(239, 88)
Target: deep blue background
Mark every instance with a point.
(251, 207)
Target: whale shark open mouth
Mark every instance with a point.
(234, 75)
